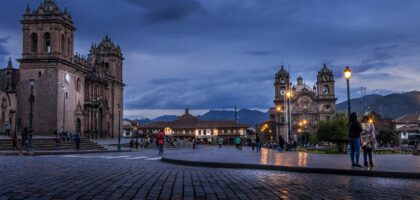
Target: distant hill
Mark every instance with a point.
(391, 106)
(245, 116)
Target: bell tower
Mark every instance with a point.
(47, 32)
(326, 93)
(47, 64)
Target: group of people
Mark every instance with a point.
(138, 144)
(361, 135)
(65, 137)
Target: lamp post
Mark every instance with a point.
(31, 115)
(347, 75)
(289, 115)
(119, 127)
(278, 111)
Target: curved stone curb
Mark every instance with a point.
(41, 153)
(347, 172)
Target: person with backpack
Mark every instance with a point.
(355, 129)
(368, 140)
(160, 142)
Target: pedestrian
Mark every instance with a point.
(57, 143)
(354, 139)
(24, 140)
(137, 143)
(253, 142)
(7, 128)
(258, 143)
(131, 143)
(160, 142)
(194, 143)
(238, 143)
(368, 140)
(220, 142)
(281, 144)
(14, 141)
(77, 140)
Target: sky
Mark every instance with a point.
(215, 54)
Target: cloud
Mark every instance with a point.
(261, 53)
(156, 11)
(166, 80)
(3, 49)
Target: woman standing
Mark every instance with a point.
(160, 142)
(368, 140)
(354, 139)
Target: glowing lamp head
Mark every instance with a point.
(278, 109)
(288, 94)
(370, 121)
(347, 73)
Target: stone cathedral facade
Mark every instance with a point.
(73, 92)
(306, 106)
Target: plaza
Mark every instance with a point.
(141, 175)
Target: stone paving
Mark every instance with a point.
(140, 175)
(388, 162)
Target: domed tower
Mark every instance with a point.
(326, 92)
(109, 57)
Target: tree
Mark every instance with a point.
(387, 137)
(334, 131)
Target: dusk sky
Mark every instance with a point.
(215, 54)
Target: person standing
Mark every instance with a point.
(14, 141)
(368, 140)
(281, 144)
(77, 140)
(24, 141)
(194, 143)
(57, 143)
(137, 144)
(258, 143)
(354, 139)
(160, 142)
(253, 142)
(220, 142)
(238, 143)
(131, 143)
(7, 128)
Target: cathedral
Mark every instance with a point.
(298, 107)
(61, 89)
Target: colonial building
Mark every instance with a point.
(188, 126)
(408, 128)
(9, 78)
(74, 92)
(298, 107)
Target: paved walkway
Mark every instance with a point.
(383, 163)
(140, 175)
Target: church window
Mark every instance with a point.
(328, 118)
(78, 84)
(63, 45)
(39, 74)
(47, 40)
(326, 89)
(68, 47)
(34, 41)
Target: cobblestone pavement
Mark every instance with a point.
(141, 175)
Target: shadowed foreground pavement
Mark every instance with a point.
(141, 175)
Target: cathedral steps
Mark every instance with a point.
(48, 144)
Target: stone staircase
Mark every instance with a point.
(48, 144)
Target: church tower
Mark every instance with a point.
(47, 55)
(282, 84)
(326, 92)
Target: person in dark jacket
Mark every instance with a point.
(77, 140)
(355, 128)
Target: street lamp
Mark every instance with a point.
(119, 127)
(289, 115)
(278, 110)
(347, 75)
(31, 115)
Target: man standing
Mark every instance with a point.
(77, 140)
(220, 142)
(160, 142)
(7, 128)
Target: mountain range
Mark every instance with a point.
(390, 106)
(245, 116)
